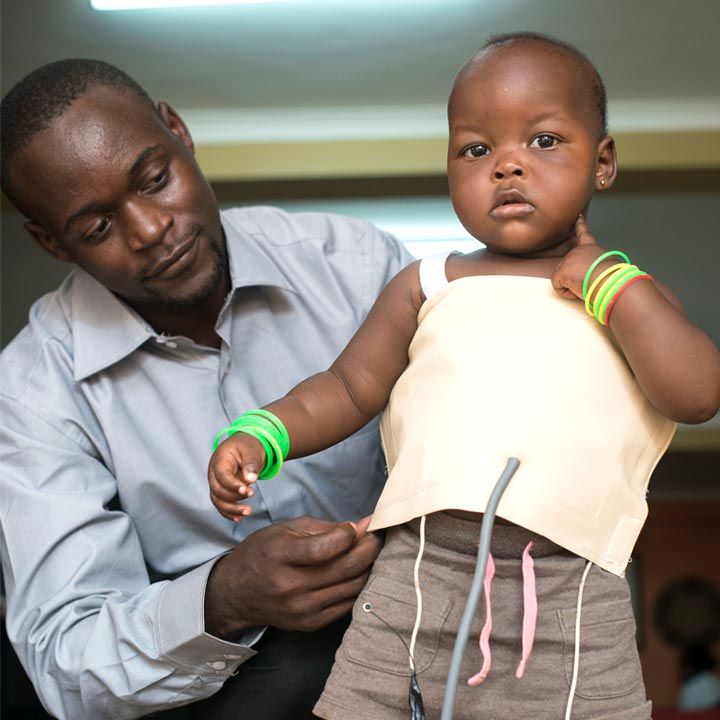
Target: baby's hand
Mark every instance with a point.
(233, 469)
(567, 279)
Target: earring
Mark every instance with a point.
(602, 183)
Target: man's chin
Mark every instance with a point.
(196, 291)
(183, 298)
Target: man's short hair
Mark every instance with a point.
(45, 94)
(590, 74)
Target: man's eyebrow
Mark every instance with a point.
(94, 207)
(88, 209)
(141, 158)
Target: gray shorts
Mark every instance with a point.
(371, 675)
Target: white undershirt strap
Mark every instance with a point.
(432, 273)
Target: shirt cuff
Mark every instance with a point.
(180, 629)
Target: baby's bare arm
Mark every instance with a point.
(328, 407)
(675, 363)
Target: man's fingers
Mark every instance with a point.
(361, 526)
(352, 566)
(582, 232)
(319, 607)
(318, 548)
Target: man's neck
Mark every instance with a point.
(197, 323)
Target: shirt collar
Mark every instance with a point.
(252, 258)
(105, 330)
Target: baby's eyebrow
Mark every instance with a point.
(466, 128)
(546, 115)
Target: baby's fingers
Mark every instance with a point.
(234, 468)
(582, 232)
(237, 489)
(234, 511)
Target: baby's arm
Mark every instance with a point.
(675, 363)
(330, 406)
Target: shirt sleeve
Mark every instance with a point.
(387, 257)
(97, 638)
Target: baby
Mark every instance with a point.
(542, 345)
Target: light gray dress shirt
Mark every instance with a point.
(108, 533)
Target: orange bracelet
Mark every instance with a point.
(606, 319)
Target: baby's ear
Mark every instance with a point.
(606, 164)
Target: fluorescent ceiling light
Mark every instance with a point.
(154, 4)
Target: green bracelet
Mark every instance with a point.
(609, 293)
(592, 267)
(609, 283)
(269, 431)
(281, 434)
(612, 291)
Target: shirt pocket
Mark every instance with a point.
(383, 620)
(609, 664)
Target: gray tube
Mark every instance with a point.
(461, 640)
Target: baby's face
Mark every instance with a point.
(523, 149)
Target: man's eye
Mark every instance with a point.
(156, 181)
(544, 141)
(100, 229)
(476, 151)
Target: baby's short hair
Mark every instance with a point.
(590, 74)
(45, 94)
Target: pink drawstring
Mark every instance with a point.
(476, 679)
(530, 609)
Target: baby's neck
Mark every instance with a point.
(485, 262)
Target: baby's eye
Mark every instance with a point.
(544, 141)
(476, 151)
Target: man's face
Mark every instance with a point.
(523, 150)
(113, 187)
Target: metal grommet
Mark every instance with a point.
(367, 607)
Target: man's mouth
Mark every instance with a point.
(176, 262)
(510, 205)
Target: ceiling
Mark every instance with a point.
(338, 68)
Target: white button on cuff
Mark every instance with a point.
(216, 665)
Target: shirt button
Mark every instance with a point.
(217, 665)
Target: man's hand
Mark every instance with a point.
(297, 575)
(568, 276)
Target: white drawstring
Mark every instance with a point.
(576, 657)
(418, 594)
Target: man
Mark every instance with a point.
(176, 319)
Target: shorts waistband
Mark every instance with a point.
(462, 536)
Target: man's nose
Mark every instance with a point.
(147, 225)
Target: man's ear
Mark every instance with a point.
(606, 164)
(176, 125)
(47, 241)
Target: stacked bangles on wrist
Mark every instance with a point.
(270, 432)
(600, 297)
